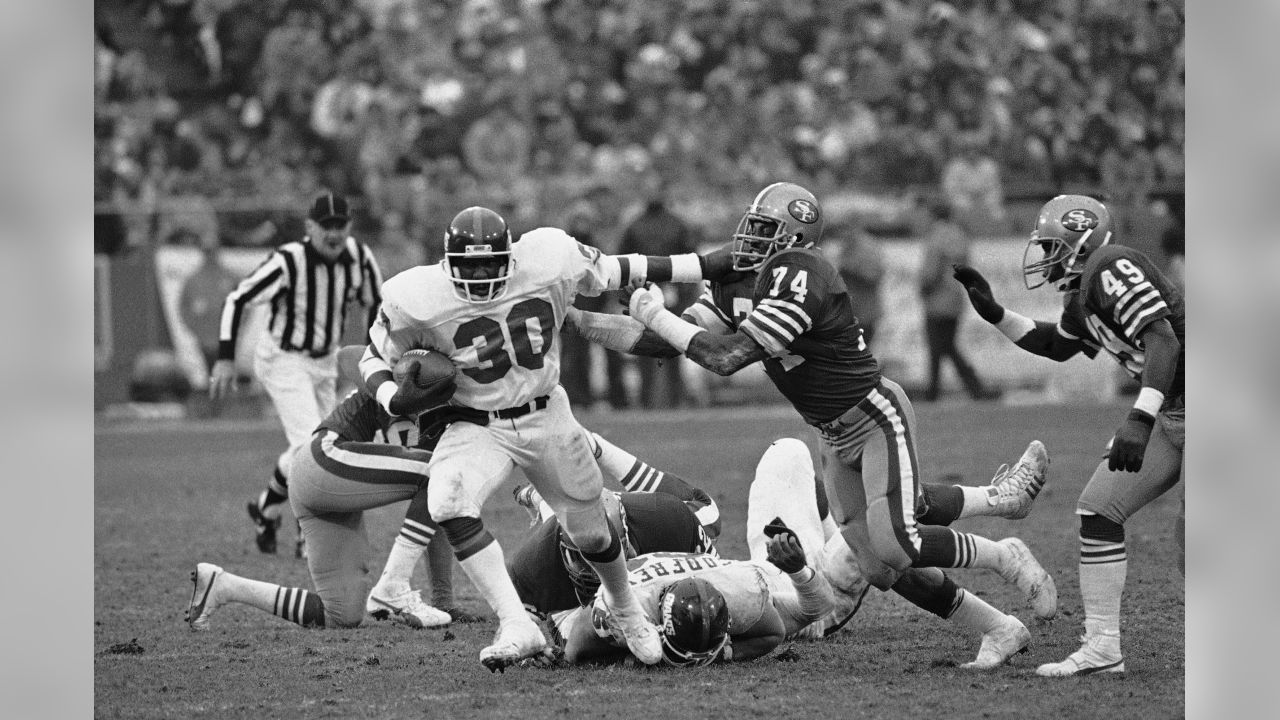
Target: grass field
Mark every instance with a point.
(170, 495)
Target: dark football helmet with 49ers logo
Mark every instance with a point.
(782, 216)
(1069, 228)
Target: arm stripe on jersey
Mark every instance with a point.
(1136, 324)
(1063, 332)
(766, 340)
(624, 270)
(783, 315)
(778, 337)
(791, 308)
(706, 319)
(1129, 294)
(1126, 309)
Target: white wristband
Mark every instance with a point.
(1149, 401)
(686, 268)
(803, 575)
(674, 330)
(1015, 326)
(385, 391)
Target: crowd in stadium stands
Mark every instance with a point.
(416, 107)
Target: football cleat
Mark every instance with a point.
(204, 595)
(266, 528)
(1022, 569)
(406, 607)
(1100, 654)
(512, 643)
(1013, 490)
(1011, 638)
(642, 637)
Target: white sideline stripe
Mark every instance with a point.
(908, 492)
(370, 462)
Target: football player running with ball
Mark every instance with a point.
(495, 307)
(1115, 299)
(789, 308)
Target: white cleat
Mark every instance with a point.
(204, 595)
(640, 635)
(1013, 490)
(1011, 638)
(1022, 569)
(1100, 654)
(512, 643)
(406, 607)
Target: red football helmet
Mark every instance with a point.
(1068, 229)
(783, 215)
(477, 254)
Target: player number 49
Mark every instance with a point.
(1112, 286)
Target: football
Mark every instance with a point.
(435, 369)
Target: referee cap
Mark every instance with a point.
(330, 207)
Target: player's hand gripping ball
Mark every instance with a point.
(426, 378)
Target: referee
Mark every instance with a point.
(308, 284)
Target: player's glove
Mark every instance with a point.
(980, 295)
(646, 303)
(1130, 442)
(786, 553)
(412, 399)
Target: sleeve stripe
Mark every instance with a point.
(699, 315)
(1135, 288)
(769, 327)
(781, 316)
(707, 303)
(1136, 324)
(767, 339)
(792, 308)
(1129, 294)
(1147, 298)
(1063, 332)
(624, 270)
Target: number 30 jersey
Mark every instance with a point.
(505, 350)
(797, 308)
(1121, 293)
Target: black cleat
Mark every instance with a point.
(266, 528)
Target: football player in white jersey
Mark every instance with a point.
(495, 307)
(1114, 299)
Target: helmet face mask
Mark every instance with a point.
(477, 255)
(783, 215)
(1069, 228)
(694, 623)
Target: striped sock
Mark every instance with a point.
(632, 473)
(946, 548)
(299, 606)
(1103, 567)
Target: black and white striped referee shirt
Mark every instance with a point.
(308, 295)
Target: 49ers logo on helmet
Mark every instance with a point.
(803, 210)
(1079, 220)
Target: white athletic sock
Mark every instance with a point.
(1101, 585)
(620, 465)
(976, 551)
(976, 501)
(487, 570)
(397, 574)
(974, 613)
(254, 593)
(614, 583)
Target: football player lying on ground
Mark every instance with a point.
(342, 473)
(706, 607)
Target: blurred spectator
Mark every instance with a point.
(861, 265)
(944, 300)
(397, 250)
(496, 147)
(200, 302)
(971, 183)
(658, 231)
(1128, 176)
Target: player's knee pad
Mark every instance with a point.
(449, 495)
(1097, 527)
(588, 529)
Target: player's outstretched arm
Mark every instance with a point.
(619, 333)
(721, 354)
(683, 268)
(1034, 336)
